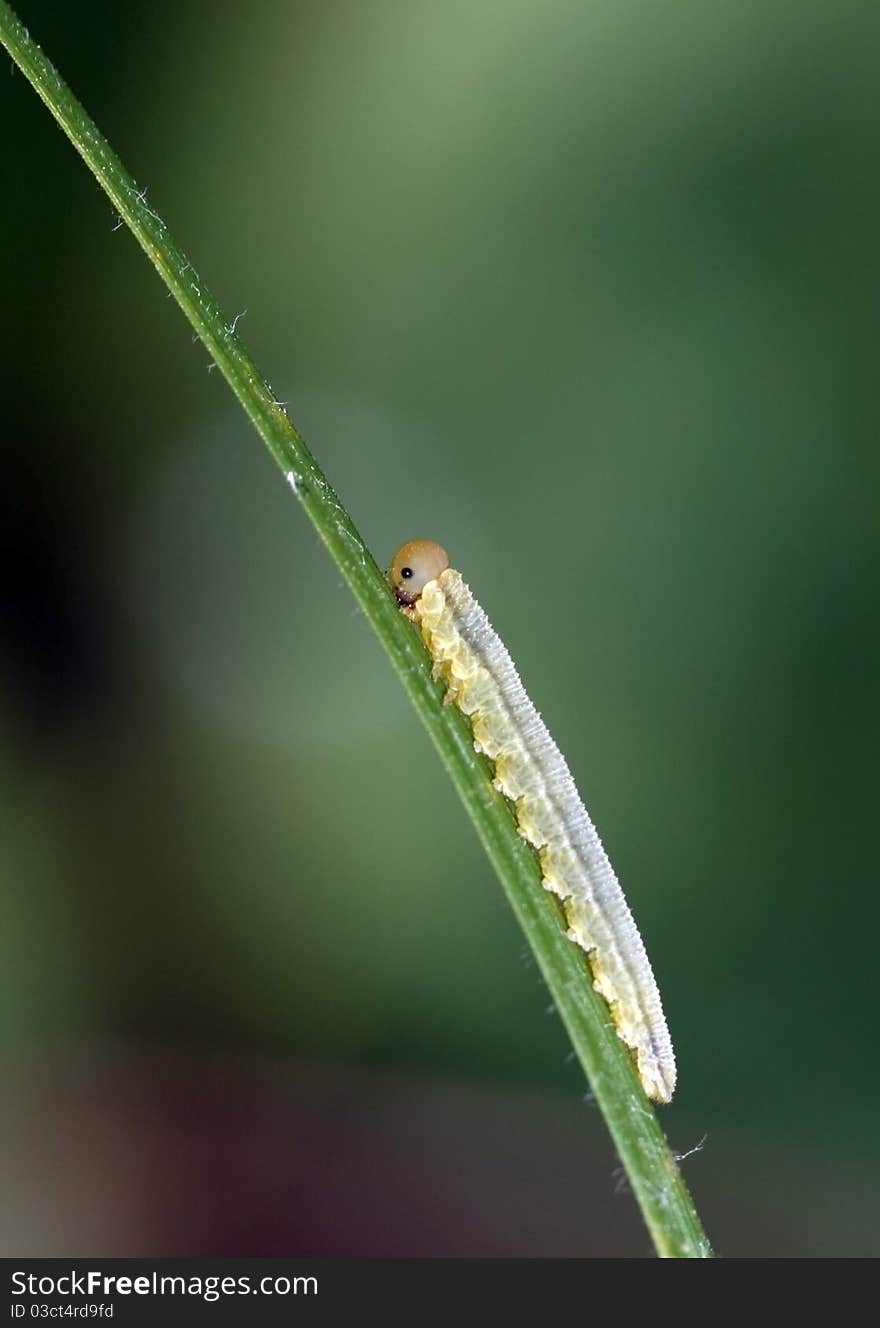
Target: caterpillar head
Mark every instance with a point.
(413, 566)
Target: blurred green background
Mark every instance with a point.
(588, 292)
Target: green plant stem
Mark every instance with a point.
(650, 1166)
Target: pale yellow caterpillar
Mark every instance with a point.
(531, 771)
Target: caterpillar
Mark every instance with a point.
(531, 772)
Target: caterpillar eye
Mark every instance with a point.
(413, 566)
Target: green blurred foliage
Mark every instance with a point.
(588, 292)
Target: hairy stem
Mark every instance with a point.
(644, 1153)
